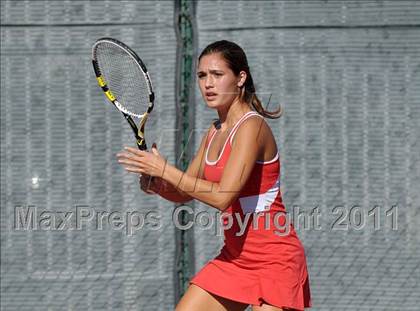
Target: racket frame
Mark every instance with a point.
(137, 130)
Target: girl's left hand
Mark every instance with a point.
(143, 162)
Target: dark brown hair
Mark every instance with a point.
(236, 60)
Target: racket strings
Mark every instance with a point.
(124, 78)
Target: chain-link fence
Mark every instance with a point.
(347, 74)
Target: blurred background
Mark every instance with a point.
(347, 74)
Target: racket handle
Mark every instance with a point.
(142, 145)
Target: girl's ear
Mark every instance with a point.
(242, 78)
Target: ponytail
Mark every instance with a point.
(254, 102)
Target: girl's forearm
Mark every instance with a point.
(170, 193)
(200, 189)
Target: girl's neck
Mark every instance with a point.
(232, 114)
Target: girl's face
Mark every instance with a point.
(218, 84)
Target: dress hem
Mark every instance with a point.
(261, 300)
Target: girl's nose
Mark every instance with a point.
(209, 82)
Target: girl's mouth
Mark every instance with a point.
(211, 95)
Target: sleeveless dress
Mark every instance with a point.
(265, 264)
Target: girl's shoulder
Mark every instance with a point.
(254, 124)
(257, 129)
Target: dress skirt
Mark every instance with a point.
(261, 266)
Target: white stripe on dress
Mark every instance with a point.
(260, 202)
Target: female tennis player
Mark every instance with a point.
(236, 170)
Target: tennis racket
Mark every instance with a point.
(124, 79)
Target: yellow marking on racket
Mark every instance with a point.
(101, 81)
(110, 96)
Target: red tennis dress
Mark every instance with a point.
(262, 260)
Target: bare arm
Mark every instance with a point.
(246, 148)
(168, 191)
(245, 151)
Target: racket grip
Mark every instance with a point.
(142, 145)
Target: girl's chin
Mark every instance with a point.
(212, 104)
(215, 103)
